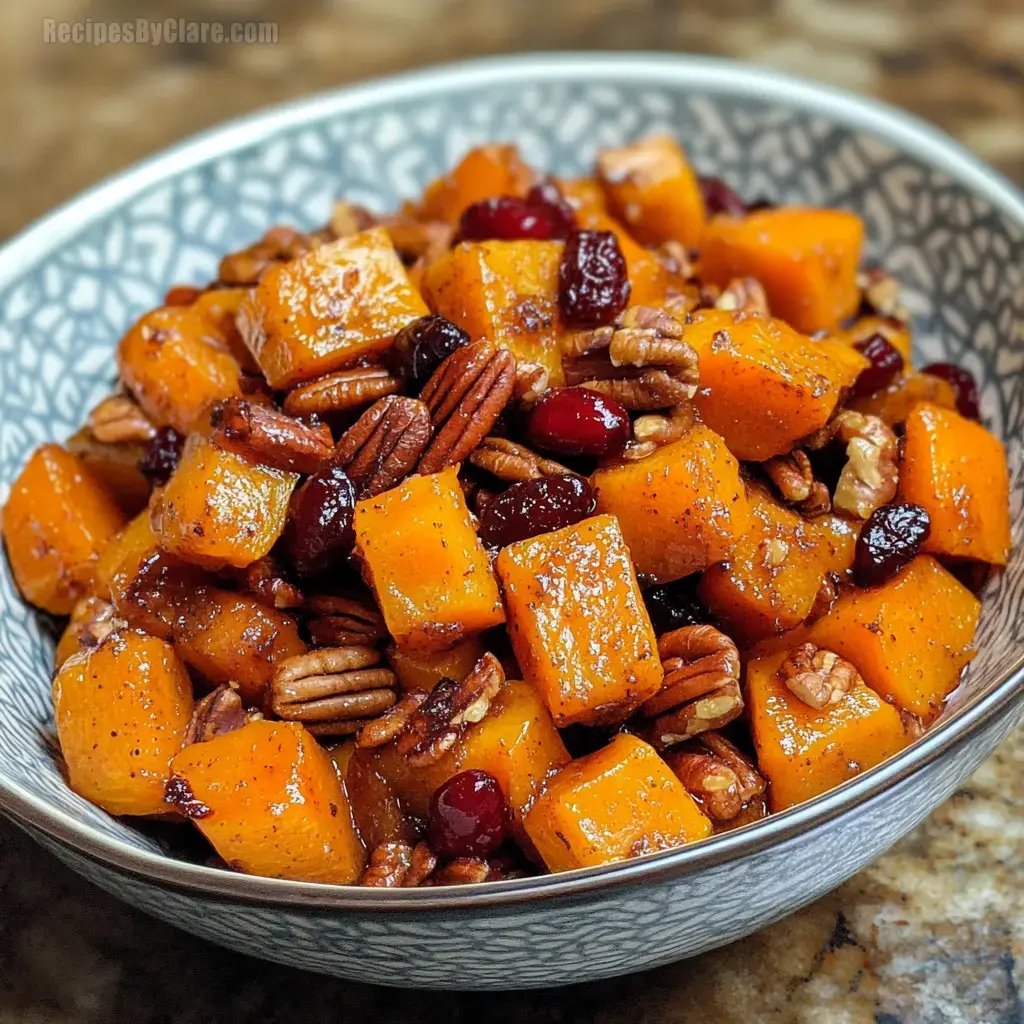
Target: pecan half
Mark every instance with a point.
(531, 382)
(826, 596)
(462, 871)
(265, 579)
(701, 690)
(263, 434)
(880, 294)
(392, 723)
(217, 713)
(389, 865)
(818, 677)
(333, 691)
(336, 392)
(419, 241)
(92, 621)
(743, 295)
(793, 476)
(656, 430)
(278, 245)
(513, 463)
(465, 396)
(424, 861)
(349, 219)
(343, 621)
(718, 775)
(384, 445)
(120, 420)
(676, 259)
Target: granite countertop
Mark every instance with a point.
(933, 932)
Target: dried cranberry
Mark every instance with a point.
(162, 455)
(536, 506)
(577, 421)
(547, 196)
(593, 283)
(468, 816)
(421, 347)
(965, 387)
(507, 217)
(675, 605)
(886, 362)
(320, 531)
(720, 198)
(889, 540)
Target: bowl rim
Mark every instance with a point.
(719, 75)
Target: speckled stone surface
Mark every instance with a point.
(934, 932)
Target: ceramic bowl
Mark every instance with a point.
(950, 229)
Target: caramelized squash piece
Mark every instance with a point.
(124, 553)
(115, 466)
(584, 195)
(268, 798)
(56, 522)
(957, 471)
(422, 671)
(805, 258)
(564, 591)
(803, 752)
(219, 509)
(121, 712)
(763, 385)
(894, 403)
(680, 509)
(910, 638)
(619, 802)
(652, 189)
(424, 560)
(177, 365)
(328, 309)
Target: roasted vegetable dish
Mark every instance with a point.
(543, 524)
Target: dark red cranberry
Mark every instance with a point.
(320, 532)
(889, 540)
(532, 507)
(886, 363)
(547, 196)
(675, 605)
(965, 387)
(507, 217)
(577, 421)
(720, 198)
(162, 455)
(421, 347)
(468, 816)
(593, 283)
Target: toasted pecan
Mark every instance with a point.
(265, 435)
(341, 390)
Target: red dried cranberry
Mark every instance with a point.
(421, 347)
(965, 387)
(886, 362)
(675, 605)
(577, 421)
(593, 283)
(547, 196)
(468, 816)
(889, 540)
(320, 532)
(162, 455)
(507, 217)
(531, 507)
(720, 198)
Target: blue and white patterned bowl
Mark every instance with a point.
(948, 227)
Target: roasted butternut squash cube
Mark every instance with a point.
(578, 624)
(219, 308)
(680, 509)
(652, 189)
(177, 365)
(424, 560)
(584, 195)
(894, 403)
(56, 522)
(423, 671)
(268, 798)
(956, 470)
(121, 712)
(805, 258)
(330, 308)
(771, 579)
(219, 509)
(506, 292)
(621, 801)
(763, 385)
(803, 752)
(910, 638)
(124, 552)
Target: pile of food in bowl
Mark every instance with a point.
(541, 525)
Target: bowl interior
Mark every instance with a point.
(71, 288)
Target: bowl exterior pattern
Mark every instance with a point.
(960, 258)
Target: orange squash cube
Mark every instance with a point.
(956, 470)
(910, 638)
(56, 522)
(121, 712)
(124, 553)
(803, 752)
(423, 671)
(424, 560)
(219, 509)
(268, 798)
(621, 801)
(806, 259)
(584, 195)
(797, 382)
(219, 308)
(680, 509)
(652, 189)
(894, 403)
(328, 309)
(578, 624)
